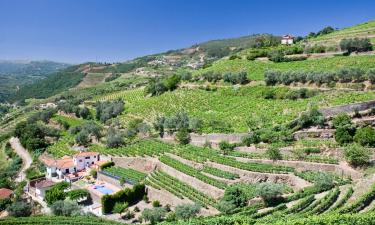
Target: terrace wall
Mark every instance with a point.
(109, 179)
(256, 177)
(303, 166)
(143, 164)
(213, 139)
(350, 108)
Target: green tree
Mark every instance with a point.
(183, 136)
(154, 215)
(365, 136)
(274, 153)
(19, 209)
(120, 207)
(65, 208)
(270, 192)
(187, 211)
(323, 181)
(341, 120)
(54, 194)
(357, 155)
(342, 135)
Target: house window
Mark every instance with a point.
(88, 157)
(66, 170)
(94, 156)
(92, 163)
(80, 160)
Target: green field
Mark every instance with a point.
(230, 105)
(256, 69)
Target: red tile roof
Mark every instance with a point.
(44, 184)
(5, 193)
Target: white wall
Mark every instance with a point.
(82, 162)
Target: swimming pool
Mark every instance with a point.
(103, 189)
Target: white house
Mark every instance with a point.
(68, 165)
(287, 39)
(84, 160)
(39, 187)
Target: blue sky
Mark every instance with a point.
(116, 30)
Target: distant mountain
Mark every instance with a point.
(17, 73)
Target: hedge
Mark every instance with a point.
(128, 195)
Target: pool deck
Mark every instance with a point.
(91, 188)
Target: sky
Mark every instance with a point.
(77, 31)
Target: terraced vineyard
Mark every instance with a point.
(191, 171)
(256, 69)
(233, 106)
(220, 173)
(161, 180)
(129, 175)
(62, 146)
(142, 148)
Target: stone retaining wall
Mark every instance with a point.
(213, 139)
(332, 111)
(255, 177)
(304, 166)
(109, 179)
(143, 164)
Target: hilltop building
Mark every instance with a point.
(287, 39)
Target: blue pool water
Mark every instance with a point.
(104, 190)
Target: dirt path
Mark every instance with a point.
(24, 154)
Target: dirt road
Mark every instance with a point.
(24, 154)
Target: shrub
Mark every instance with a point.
(65, 208)
(187, 211)
(356, 45)
(343, 136)
(276, 56)
(115, 138)
(371, 75)
(54, 194)
(323, 181)
(357, 155)
(250, 139)
(83, 138)
(270, 192)
(226, 147)
(156, 203)
(183, 136)
(154, 215)
(341, 120)
(365, 136)
(107, 165)
(226, 207)
(120, 207)
(273, 153)
(19, 209)
(77, 194)
(109, 109)
(235, 195)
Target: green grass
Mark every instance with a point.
(229, 105)
(70, 120)
(256, 69)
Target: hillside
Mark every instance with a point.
(364, 30)
(15, 74)
(234, 131)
